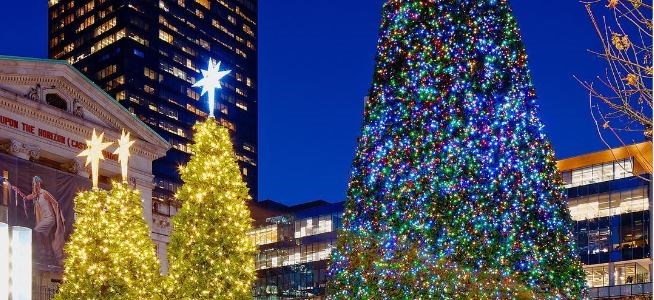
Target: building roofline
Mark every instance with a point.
(641, 152)
(93, 84)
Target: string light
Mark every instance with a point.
(454, 190)
(210, 254)
(110, 254)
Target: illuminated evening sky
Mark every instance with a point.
(315, 66)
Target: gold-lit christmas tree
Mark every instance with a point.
(109, 254)
(209, 253)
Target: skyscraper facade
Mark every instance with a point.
(148, 54)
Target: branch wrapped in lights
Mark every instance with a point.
(454, 186)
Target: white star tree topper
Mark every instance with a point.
(123, 153)
(211, 81)
(93, 153)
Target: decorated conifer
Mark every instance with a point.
(210, 255)
(110, 254)
(454, 186)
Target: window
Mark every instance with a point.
(204, 3)
(631, 273)
(608, 204)
(104, 27)
(599, 173)
(86, 23)
(106, 72)
(108, 40)
(165, 37)
(248, 30)
(56, 101)
(597, 276)
(115, 83)
(150, 73)
(313, 226)
(148, 89)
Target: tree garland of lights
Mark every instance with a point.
(109, 254)
(454, 186)
(210, 255)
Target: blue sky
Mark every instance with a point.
(315, 66)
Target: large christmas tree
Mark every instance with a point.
(454, 188)
(210, 255)
(110, 254)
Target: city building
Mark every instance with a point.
(610, 199)
(47, 112)
(294, 246)
(148, 54)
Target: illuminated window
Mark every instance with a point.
(86, 23)
(204, 3)
(120, 95)
(150, 73)
(242, 105)
(105, 12)
(104, 27)
(231, 19)
(248, 30)
(106, 72)
(148, 89)
(165, 36)
(631, 273)
(108, 40)
(139, 39)
(114, 83)
(313, 226)
(598, 173)
(192, 94)
(597, 276)
(608, 204)
(85, 8)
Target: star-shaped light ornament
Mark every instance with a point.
(93, 153)
(211, 81)
(123, 153)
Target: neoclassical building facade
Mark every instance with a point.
(47, 111)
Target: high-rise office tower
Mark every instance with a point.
(147, 54)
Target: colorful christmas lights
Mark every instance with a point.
(454, 189)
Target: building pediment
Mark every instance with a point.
(55, 93)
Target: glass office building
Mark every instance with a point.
(147, 54)
(294, 246)
(609, 196)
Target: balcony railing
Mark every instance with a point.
(621, 290)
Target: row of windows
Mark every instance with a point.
(614, 238)
(313, 226)
(166, 185)
(264, 235)
(608, 204)
(624, 273)
(598, 173)
(299, 282)
(293, 256)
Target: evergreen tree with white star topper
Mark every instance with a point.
(210, 254)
